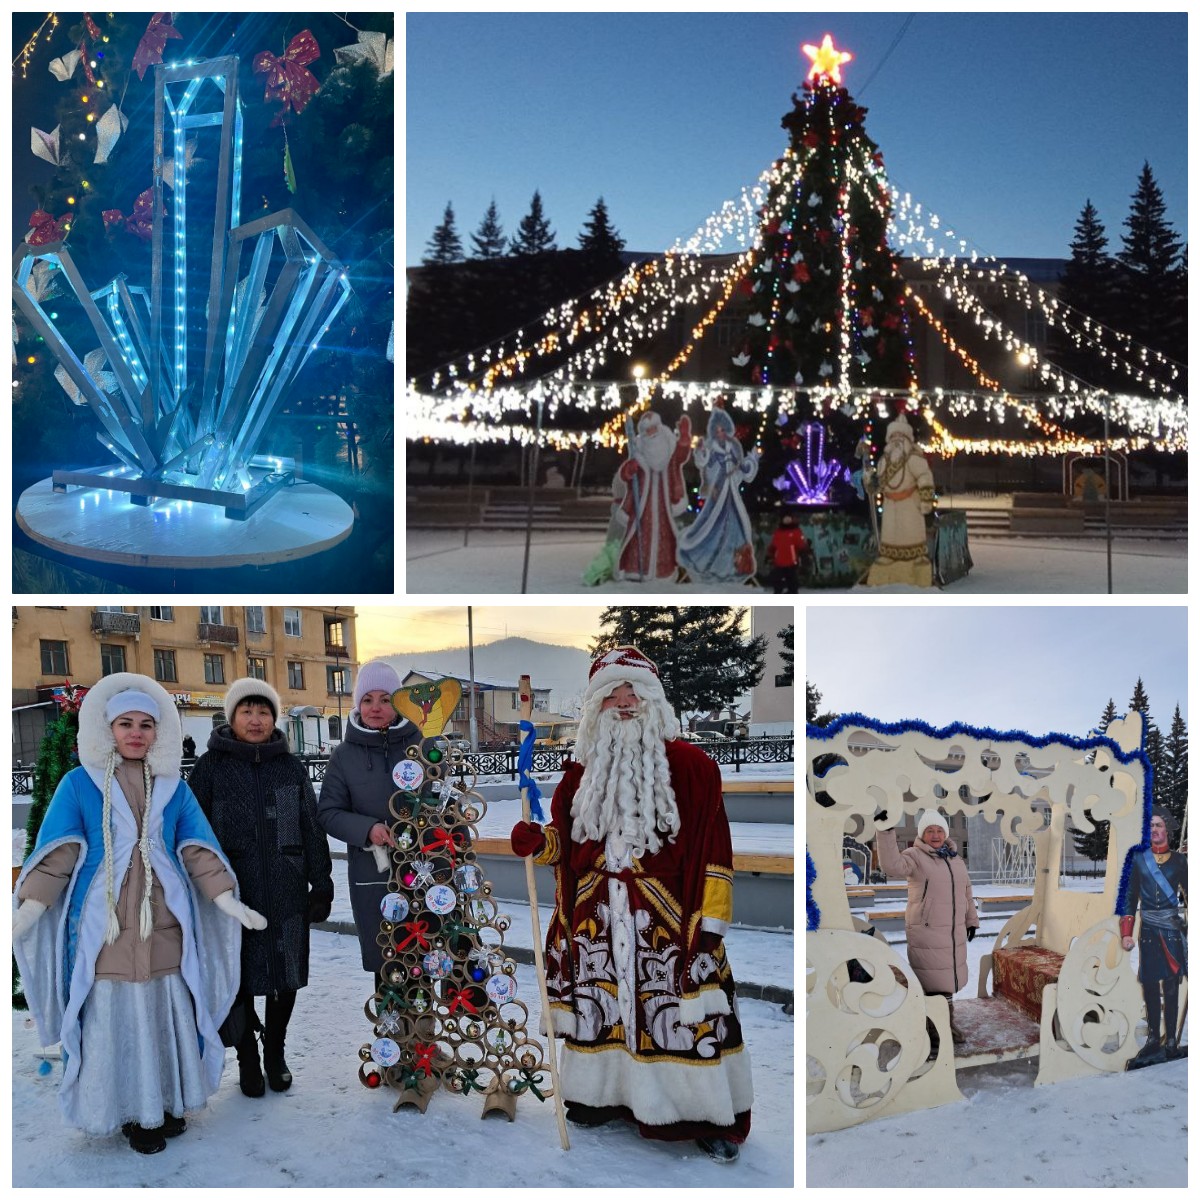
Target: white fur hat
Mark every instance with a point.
(96, 741)
(929, 817)
(243, 689)
(900, 428)
(625, 664)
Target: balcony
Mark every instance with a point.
(122, 624)
(224, 635)
(334, 650)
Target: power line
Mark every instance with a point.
(888, 53)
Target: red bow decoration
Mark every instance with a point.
(93, 29)
(140, 222)
(45, 228)
(423, 1058)
(440, 840)
(458, 998)
(287, 79)
(416, 933)
(87, 66)
(154, 41)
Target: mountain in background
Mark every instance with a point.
(563, 669)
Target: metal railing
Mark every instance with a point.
(735, 752)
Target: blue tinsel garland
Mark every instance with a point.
(812, 911)
(817, 733)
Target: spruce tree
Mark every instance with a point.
(1089, 286)
(786, 635)
(534, 235)
(704, 659)
(1152, 739)
(445, 246)
(488, 239)
(812, 707)
(1175, 767)
(1149, 258)
(600, 242)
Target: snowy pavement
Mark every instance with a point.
(330, 1131)
(1112, 1130)
(493, 562)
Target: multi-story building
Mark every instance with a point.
(772, 701)
(308, 655)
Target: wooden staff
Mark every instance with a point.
(526, 691)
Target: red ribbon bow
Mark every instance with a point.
(45, 228)
(458, 999)
(287, 79)
(423, 1058)
(416, 932)
(440, 839)
(140, 222)
(150, 48)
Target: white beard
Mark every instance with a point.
(625, 793)
(654, 452)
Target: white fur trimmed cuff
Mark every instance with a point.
(710, 1002)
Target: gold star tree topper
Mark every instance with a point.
(826, 60)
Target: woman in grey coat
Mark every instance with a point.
(262, 807)
(354, 796)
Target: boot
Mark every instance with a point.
(278, 1075)
(143, 1140)
(278, 1013)
(250, 1075)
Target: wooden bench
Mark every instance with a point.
(1007, 1024)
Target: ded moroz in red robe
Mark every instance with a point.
(650, 503)
(655, 1032)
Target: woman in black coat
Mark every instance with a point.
(355, 793)
(262, 807)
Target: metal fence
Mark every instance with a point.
(735, 752)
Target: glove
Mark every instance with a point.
(231, 906)
(26, 917)
(526, 839)
(319, 907)
(972, 930)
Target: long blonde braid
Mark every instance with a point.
(113, 928)
(146, 922)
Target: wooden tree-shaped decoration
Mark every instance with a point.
(446, 1013)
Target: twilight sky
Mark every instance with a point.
(1038, 669)
(1003, 124)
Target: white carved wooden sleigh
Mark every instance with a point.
(1056, 985)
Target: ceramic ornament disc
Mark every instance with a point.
(407, 774)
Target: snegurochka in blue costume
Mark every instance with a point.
(1158, 885)
(127, 928)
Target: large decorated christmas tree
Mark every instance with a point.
(826, 298)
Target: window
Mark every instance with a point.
(335, 632)
(335, 729)
(162, 612)
(112, 659)
(54, 658)
(210, 614)
(256, 668)
(110, 608)
(337, 680)
(164, 666)
(214, 668)
(256, 622)
(296, 676)
(291, 622)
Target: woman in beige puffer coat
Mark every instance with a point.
(940, 918)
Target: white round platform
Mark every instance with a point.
(104, 526)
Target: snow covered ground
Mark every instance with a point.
(437, 562)
(330, 1131)
(1127, 1130)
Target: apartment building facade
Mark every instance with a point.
(307, 654)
